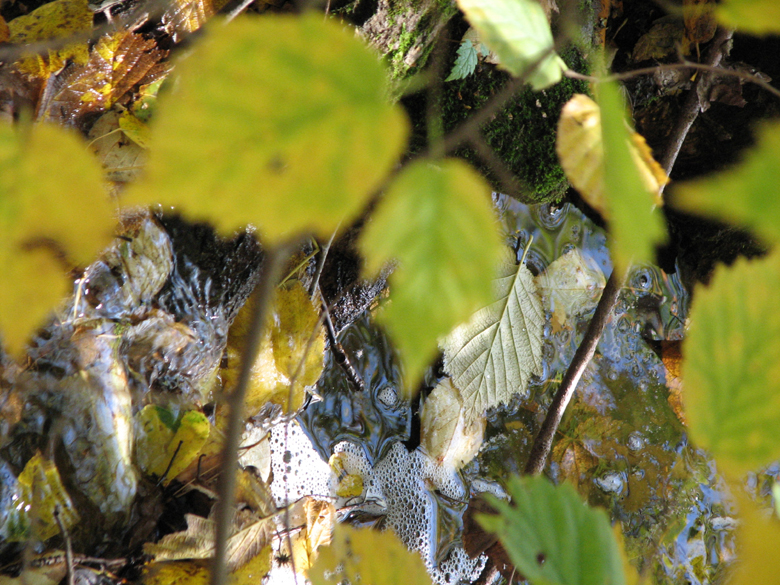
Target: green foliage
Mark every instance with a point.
(54, 215)
(493, 356)
(437, 221)
(746, 194)
(465, 63)
(752, 16)
(553, 538)
(732, 365)
(636, 224)
(286, 137)
(518, 32)
(378, 558)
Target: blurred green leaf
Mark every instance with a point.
(553, 537)
(288, 136)
(758, 17)
(636, 224)
(54, 215)
(438, 222)
(518, 32)
(745, 194)
(731, 365)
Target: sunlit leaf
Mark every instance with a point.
(518, 32)
(444, 434)
(349, 485)
(379, 558)
(572, 286)
(121, 157)
(731, 365)
(757, 537)
(187, 16)
(750, 16)
(636, 223)
(37, 497)
(289, 136)
(177, 573)
(494, 354)
(116, 63)
(437, 221)
(745, 194)
(553, 537)
(466, 62)
(57, 19)
(54, 215)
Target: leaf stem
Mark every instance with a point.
(226, 484)
(543, 442)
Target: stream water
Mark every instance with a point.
(621, 443)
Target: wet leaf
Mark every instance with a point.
(518, 32)
(38, 496)
(116, 64)
(445, 435)
(466, 62)
(122, 158)
(54, 215)
(349, 485)
(700, 23)
(731, 366)
(746, 193)
(134, 129)
(580, 147)
(438, 222)
(287, 137)
(554, 538)
(53, 20)
(187, 16)
(572, 286)
(494, 354)
(177, 573)
(379, 558)
(758, 17)
(636, 223)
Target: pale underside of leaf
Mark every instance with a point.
(493, 356)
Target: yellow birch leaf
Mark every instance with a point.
(54, 215)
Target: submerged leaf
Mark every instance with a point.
(437, 221)
(376, 558)
(518, 32)
(494, 354)
(287, 137)
(731, 365)
(54, 215)
(553, 537)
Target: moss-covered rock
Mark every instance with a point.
(523, 133)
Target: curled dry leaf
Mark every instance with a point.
(581, 152)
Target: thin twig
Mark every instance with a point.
(226, 484)
(68, 547)
(691, 106)
(543, 442)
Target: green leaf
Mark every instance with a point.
(757, 538)
(731, 365)
(750, 16)
(494, 354)
(465, 63)
(518, 32)
(636, 224)
(438, 222)
(745, 194)
(378, 558)
(54, 216)
(288, 136)
(553, 538)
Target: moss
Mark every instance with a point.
(523, 133)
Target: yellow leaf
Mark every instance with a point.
(5, 32)
(134, 129)
(757, 538)
(121, 156)
(177, 573)
(379, 558)
(581, 153)
(54, 215)
(187, 16)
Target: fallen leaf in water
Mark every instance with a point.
(187, 16)
(122, 158)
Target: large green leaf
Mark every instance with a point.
(438, 222)
(750, 16)
(553, 538)
(288, 136)
(731, 367)
(494, 354)
(518, 32)
(54, 215)
(745, 194)
(636, 224)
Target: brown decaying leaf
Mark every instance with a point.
(700, 23)
(661, 41)
(477, 541)
(671, 355)
(116, 64)
(5, 32)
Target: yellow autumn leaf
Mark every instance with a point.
(54, 216)
(187, 16)
(581, 152)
